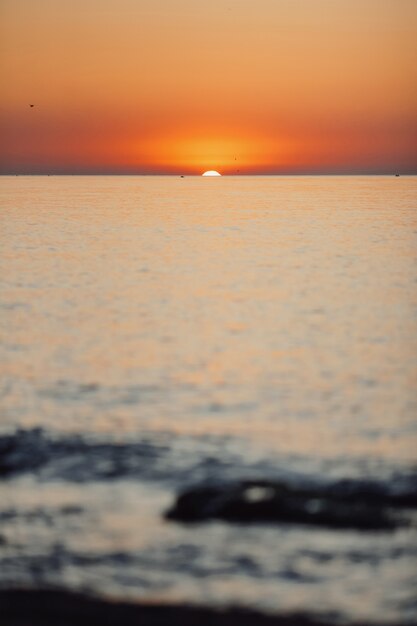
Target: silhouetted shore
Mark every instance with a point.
(20, 607)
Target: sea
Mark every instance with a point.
(161, 332)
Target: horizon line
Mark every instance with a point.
(231, 175)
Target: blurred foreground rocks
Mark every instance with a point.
(53, 607)
(345, 504)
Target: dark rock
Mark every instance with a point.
(341, 505)
(52, 607)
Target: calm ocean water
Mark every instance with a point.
(159, 332)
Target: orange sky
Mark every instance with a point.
(180, 86)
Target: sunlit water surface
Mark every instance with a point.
(165, 331)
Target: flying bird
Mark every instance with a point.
(31, 105)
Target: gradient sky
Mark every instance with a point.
(181, 86)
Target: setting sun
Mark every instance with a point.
(211, 173)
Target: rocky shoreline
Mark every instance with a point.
(20, 607)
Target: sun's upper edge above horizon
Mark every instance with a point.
(211, 173)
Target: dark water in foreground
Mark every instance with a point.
(160, 333)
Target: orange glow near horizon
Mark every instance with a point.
(193, 152)
(174, 86)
